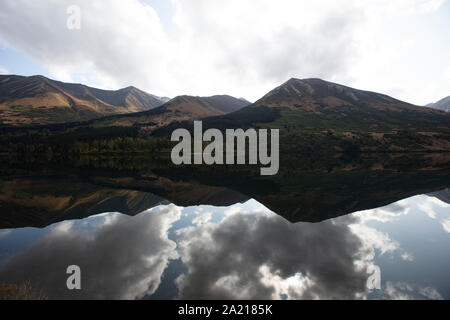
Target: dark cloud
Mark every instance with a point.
(226, 260)
(122, 259)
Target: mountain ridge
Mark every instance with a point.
(40, 100)
(304, 90)
(313, 113)
(180, 108)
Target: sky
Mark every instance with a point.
(242, 48)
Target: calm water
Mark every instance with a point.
(241, 251)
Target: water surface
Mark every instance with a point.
(242, 251)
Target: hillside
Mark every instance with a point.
(181, 108)
(313, 114)
(39, 100)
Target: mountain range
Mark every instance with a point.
(312, 114)
(39, 100)
(181, 108)
(443, 104)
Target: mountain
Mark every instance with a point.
(39, 100)
(181, 108)
(313, 114)
(317, 94)
(443, 104)
(225, 103)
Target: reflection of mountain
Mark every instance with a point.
(312, 194)
(41, 202)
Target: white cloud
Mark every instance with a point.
(406, 291)
(431, 205)
(243, 48)
(374, 239)
(446, 225)
(202, 219)
(3, 70)
(385, 214)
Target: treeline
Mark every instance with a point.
(86, 140)
(103, 146)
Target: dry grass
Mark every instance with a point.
(24, 291)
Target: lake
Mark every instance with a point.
(170, 234)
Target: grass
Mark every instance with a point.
(23, 291)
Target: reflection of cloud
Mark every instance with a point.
(407, 256)
(430, 204)
(446, 225)
(202, 218)
(385, 214)
(4, 233)
(374, 239)
(406, 291)
(62, 227)
(122, 259)
(263, 257)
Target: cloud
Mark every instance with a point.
(112, 266)
(374, 239)
(3, 70)
(239, 47)
(385, 214)
(4, 233)
(406, 291)
(120, 42)
(446, 225)
(202, 218)
(431, 205)
(257, 256)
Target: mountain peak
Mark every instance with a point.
(314, 92)
(443, 104)
(129, 88)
